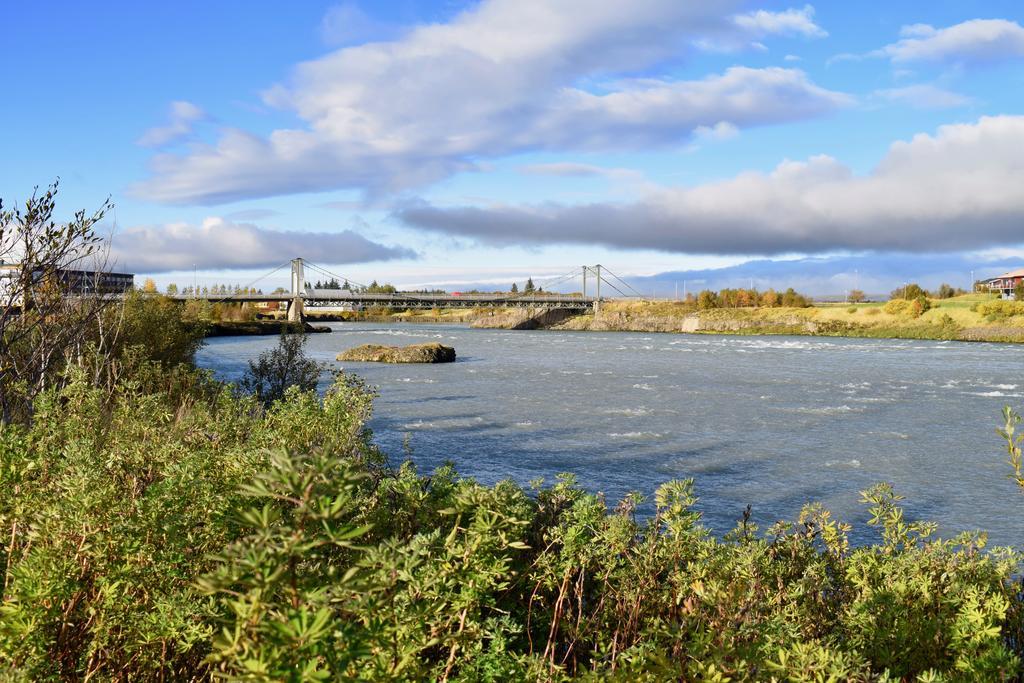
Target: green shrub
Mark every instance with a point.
(275, 370)
(912, 308)
(1000, 309)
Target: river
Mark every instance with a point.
(771, 421)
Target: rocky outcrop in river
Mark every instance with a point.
(414, 353)
(523, 318)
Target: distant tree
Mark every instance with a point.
(317, 285)
(770, 299)
(707, 299)
(791, 299)
(908, 292)
(746, 298)
(148, 286)
(856, 296)
(1018, 291)
(529, 288)
(945, 291)
(277, 369)
(515, 288)
(172, 288)
(347, 287)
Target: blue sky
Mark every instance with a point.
(481, 142)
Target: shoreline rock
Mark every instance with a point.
(414, 353)
(260, 327)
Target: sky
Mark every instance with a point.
(472, 144)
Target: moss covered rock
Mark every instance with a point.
(414, 353)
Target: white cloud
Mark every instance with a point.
(220, 243)
(974, 41)
(957, 189)
(347, 23)
(569, 169)
(500, 78)
(723, 130)
(181, 119)
(925, 96)
(251, 214)
(565, 169)
(792, 22)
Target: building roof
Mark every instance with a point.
(1012, 274)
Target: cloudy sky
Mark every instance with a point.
(471, 143)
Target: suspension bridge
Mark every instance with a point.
(301, 296)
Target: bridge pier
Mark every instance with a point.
(296, 310)
(296, 307)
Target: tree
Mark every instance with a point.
(856, 296)
(156, 325)
(515, 288)
(172, 288)
(707, 299)
(909, 292)
(1018, 291)
(148, 286)
(347, 287)
(41, 327)
(277, 369)
(529, 288)
(945, 291)
(791, 299)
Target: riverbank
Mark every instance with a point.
(955, 319)
(386, 315)
(949, 319)
(232, 328)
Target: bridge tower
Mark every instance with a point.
(295, 306)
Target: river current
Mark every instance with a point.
(771, 421)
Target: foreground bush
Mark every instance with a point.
(113, 500)
(172, 529)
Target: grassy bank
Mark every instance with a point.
(964, 318)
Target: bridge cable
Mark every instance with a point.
(610, 284)
(247, 286)
(551, 280)
(396, 294)
(623, 282)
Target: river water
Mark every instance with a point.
(771, 421)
